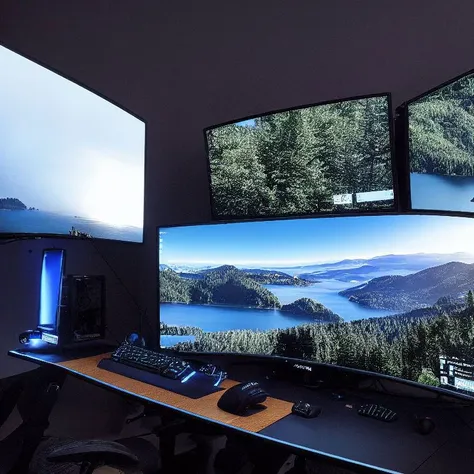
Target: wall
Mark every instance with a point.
(185, 65)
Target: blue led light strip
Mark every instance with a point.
(185, 379)
(218, 381)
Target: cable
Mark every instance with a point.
(114, 336)
(141, 313)
(430, 402)
(16, 239)
(6, 242)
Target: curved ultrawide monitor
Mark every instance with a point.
(71, 162)
(439, 147)
(390, 294)
(333, 157)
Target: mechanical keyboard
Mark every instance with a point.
(377, 412)
(151, 361)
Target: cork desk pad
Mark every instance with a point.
(205, 406)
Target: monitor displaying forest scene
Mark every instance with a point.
(390, 294)
(334, 157)
(441, 147)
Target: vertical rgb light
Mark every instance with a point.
(51, 281)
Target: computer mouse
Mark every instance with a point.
(425, 425)
(240, 398)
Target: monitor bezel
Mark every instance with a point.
(49, 235)
(402, 150)
(289, 360)
(393, 209)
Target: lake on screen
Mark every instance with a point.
(42, 222)
(222, 318)
(443, 193)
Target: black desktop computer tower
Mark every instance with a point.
(81, 312)
(82, 309)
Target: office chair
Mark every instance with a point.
(196, 460)
(130, 455)
(67, 456)
(26, 450)
(34, 394)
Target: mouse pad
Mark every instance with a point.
(199, 385)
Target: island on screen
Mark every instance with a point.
(390, 294)
(71, 162)
(440, 146)
(324, 158)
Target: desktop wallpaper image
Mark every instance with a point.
(70, 161)
(389, 294)
(441, 148)
(323, 158)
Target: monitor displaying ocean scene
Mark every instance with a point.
(391, 294)
(71, 162)
(441, 147)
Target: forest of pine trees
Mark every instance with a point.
(222, 285)
(441, 130)
(294, 162)
(407, 345)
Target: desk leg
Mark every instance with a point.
(299, 466)
(170, 427)
(167, 450)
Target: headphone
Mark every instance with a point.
(135, 339)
